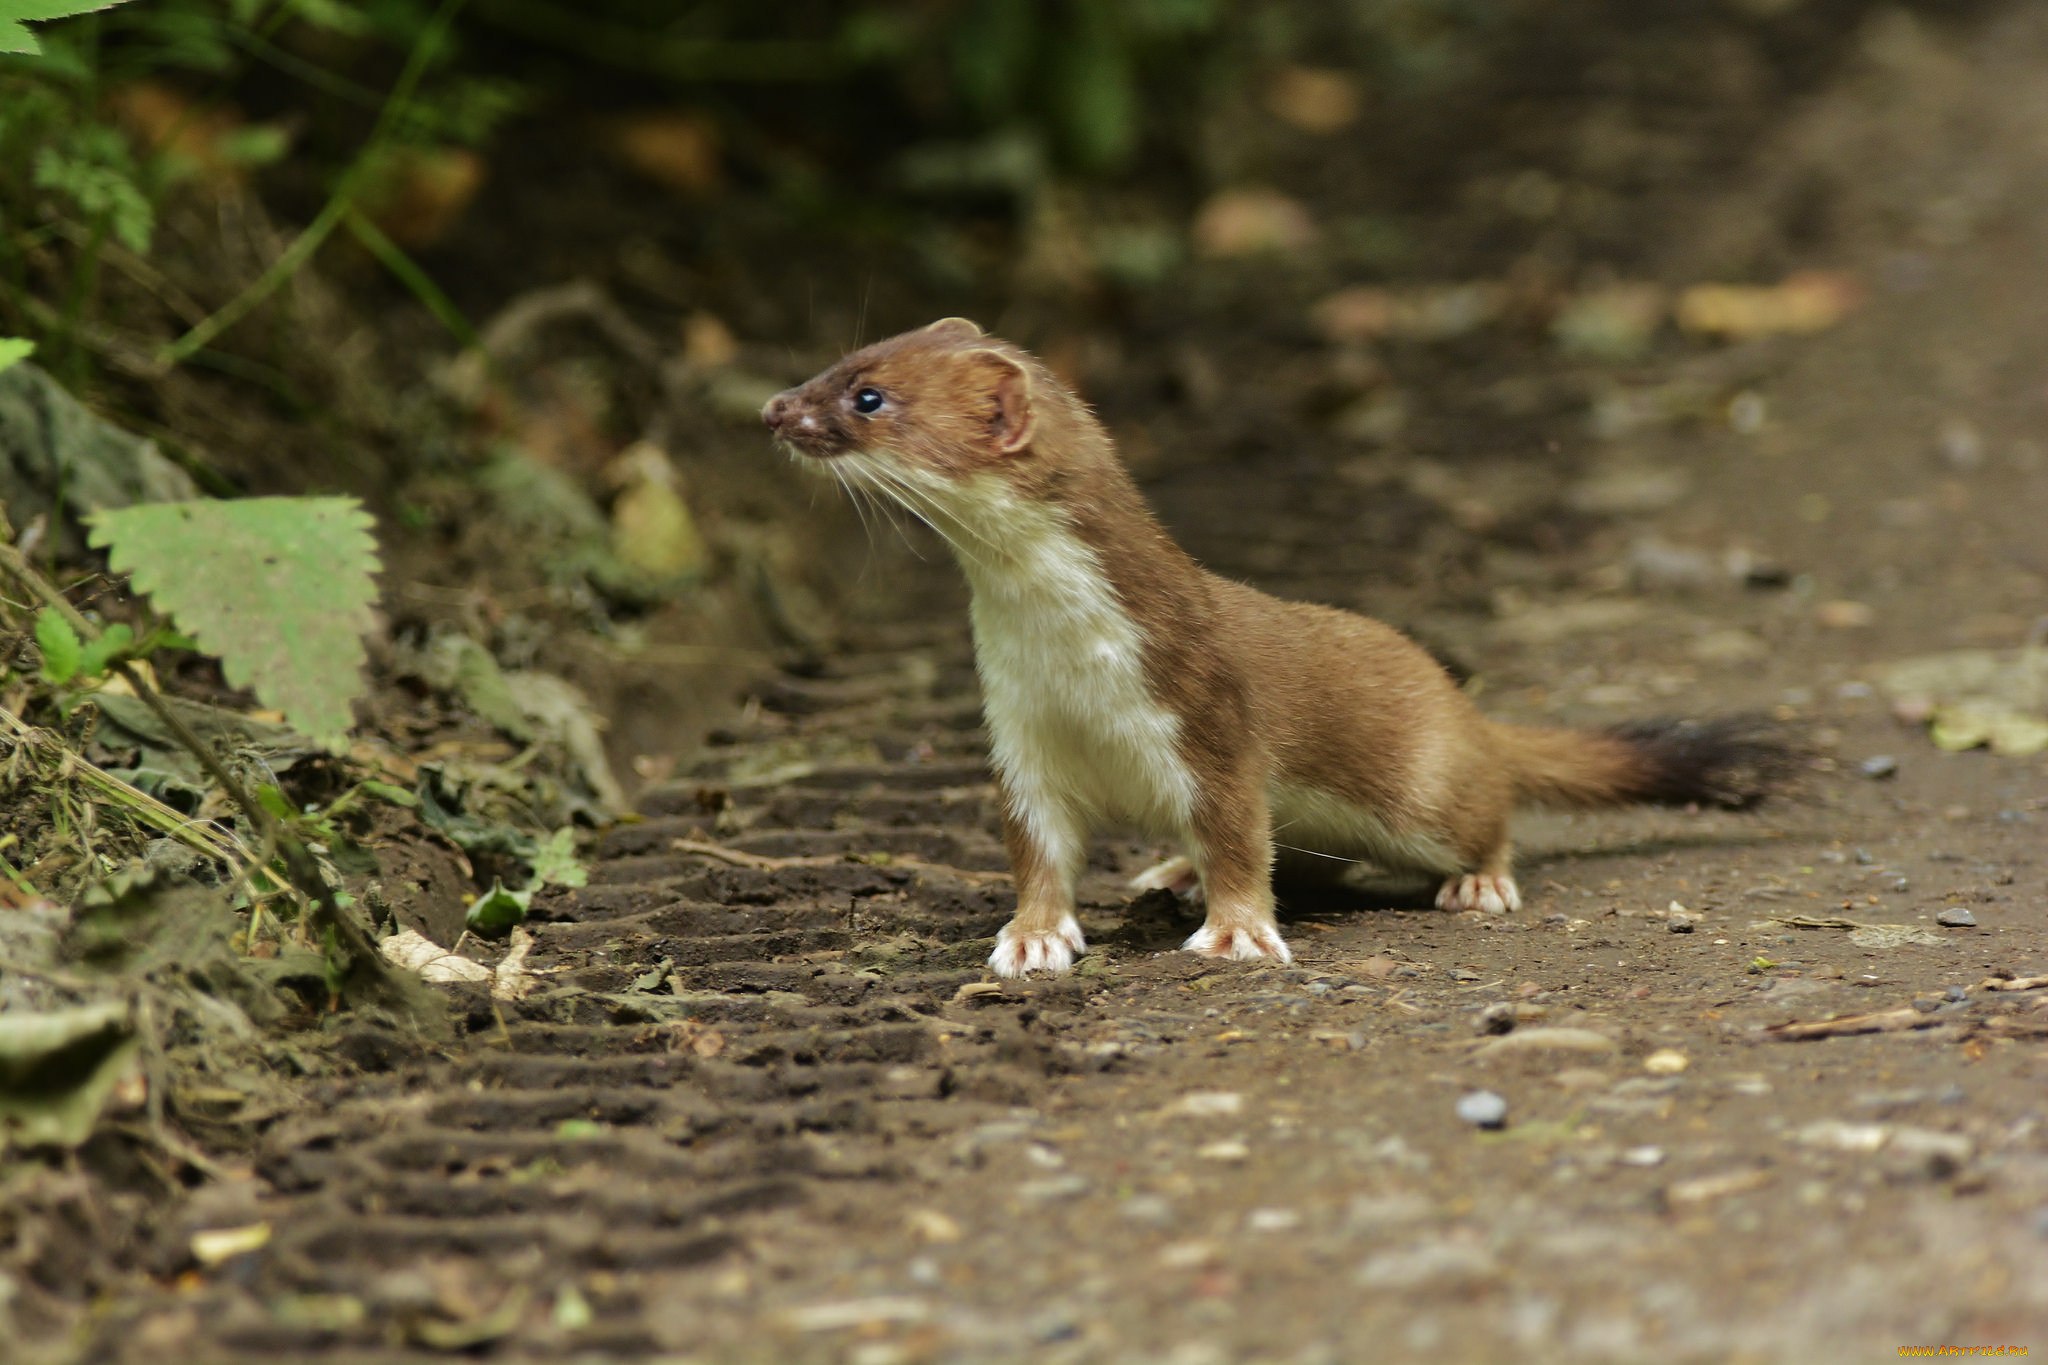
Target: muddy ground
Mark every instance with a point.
(770, 1106)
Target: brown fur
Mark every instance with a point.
(1265, 690)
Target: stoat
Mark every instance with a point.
(1122, 682)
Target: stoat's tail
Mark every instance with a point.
(1732, 762)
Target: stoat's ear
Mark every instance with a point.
(1015, 419)
(960, 327)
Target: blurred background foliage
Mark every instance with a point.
(396, 105)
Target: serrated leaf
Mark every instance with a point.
(14, 350)
(497, 910)
(98, 656)
(279, 589)
(555, 861)
(62, 649)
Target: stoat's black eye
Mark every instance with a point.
(867, 401)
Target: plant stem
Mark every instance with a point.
(361, 962)
(394, 259)
(332, 213)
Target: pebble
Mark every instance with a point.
(1681, 924)
(1230, 1149)
(1483, 1109)
(1879, 765)
(1272, 1220)
(1207, 1104)
(1666, 1062)
(1956, 993)
(1956, 917)
(1643, 1156)
(1147, 1208)
(1053, 1189)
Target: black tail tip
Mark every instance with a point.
(1734, 762)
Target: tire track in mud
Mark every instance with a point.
(718, 1049)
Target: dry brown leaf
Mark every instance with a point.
(167, 121)
(1811, 301)
(1252, 221)
(708, 342)
(678, 149)
(1315, 99)
(415, 195)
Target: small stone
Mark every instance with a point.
(1681, 924)
(1956, 993)
(1207, 1104)
(930, 1225)
(1272, 1220)
(1842, 614)
(1053, 1189)
(1229, 1149)
(1879, 766)
(1956, 917)
(1643, 1156)
(1147, 1208)
(1666, 1062)
(1483, 1109)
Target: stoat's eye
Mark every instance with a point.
(867, 401)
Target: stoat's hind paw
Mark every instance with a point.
(1492, 892)
(1037, 950)
(1177, 875)
(1240, 943)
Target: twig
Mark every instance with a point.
(358, 953)
(338, 206)
(2016, 983)
(1901, 1020)
(762, 862)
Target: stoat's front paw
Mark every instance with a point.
(1037, 950)
(1177, 875)
(1240, 943)
(1491, 892)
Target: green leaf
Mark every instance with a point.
(58, 1070)
(384, 791)
(95, 170)
(497, 910)
(14, 350)
(62, 650)
(555, 861)
(98, 656)
(278, 588)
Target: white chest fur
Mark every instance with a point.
(1073, 727)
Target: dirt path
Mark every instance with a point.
(768, 1106)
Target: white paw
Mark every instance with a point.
(1239, 943)
(1047, 950)
(1493, 893)
(1177, 875)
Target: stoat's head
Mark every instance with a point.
(946, 401)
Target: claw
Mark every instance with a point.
(1019, 952)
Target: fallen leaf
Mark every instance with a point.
(1811, 301)
(678, 149)
(1252, 221)
(652, 529)
(416, 194)
(218, 1245)
(415, 952)
(510, 980)
(1315, 99)
(59, 1069)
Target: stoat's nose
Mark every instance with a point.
(775, 412)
